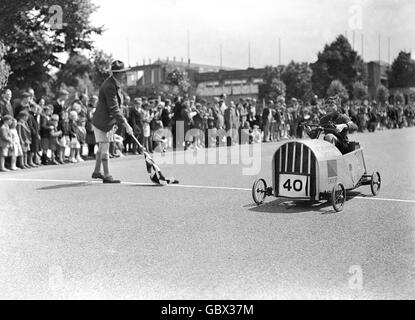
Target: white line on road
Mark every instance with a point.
(43, 180)
(180, 186)
(383, 199)
(208, 187)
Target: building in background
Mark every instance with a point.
(208, 80)
(152, 75)
(212, 81)
(234, 83)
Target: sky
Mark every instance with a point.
(152, 29)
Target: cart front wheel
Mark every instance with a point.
(375, 183)
(338, 197)
(259, 191)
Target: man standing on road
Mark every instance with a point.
(107, 114)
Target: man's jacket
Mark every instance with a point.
(108, 111)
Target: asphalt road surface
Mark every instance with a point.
(63, 236)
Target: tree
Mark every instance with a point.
(297, 78)
(382, 94)
(337, 61)
(337, 88)
(32, 29)
(179, 80)
(360, 91)
(271, 73)
(81, 73)
(272, 87)
(76, 73)
(4, 68)
(101, 64)
(402, 73)
(77, 67)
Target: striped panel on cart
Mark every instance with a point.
(296, 158)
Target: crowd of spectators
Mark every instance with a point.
(37, 132)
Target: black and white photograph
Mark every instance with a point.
(207, 150)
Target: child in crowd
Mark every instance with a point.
(81, 137)
(5, 141)
(256, 134)
(212, 131)
(73, 129)
(45, 129)
(246, 133)
(65, 141)
(118, 143)
(159, 137)
(54, 137)
(16, 149)
(24, 133)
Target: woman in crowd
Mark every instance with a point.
(90, 136)
(33, 123)
(135, 120)
(45, 132)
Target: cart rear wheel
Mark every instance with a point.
(338, 197)
(259, 191)
(375, 183)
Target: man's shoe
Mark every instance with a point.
(110, 179)
(98, 175)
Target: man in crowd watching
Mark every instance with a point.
(5, 104)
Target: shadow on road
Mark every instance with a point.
(352, 194)
(146, 185)
(66, 185)
(89, 183)
(284, 206)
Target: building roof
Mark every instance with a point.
(230, 74)
(199, 67)
(192, 65)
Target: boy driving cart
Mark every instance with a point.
(336, 125)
